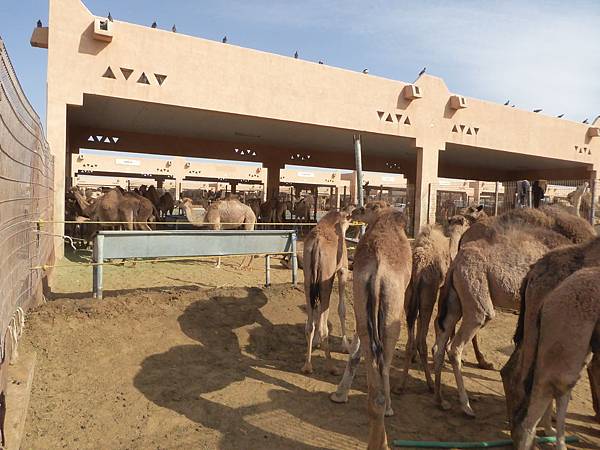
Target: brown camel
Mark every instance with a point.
(324, 257)
(543, 277)
(486, 273)
(166, 204)
(432, 253)
(303, 207)
(228, 214)
(382, 266)
(569, 330)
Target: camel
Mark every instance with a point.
(575, 197)
(432, 253)
(569, 325)
(542, 278)
(230, 212)
(324, 257)
(166, 204)
(115, 206)
(382, 266)
(303, 207)
(486, 273)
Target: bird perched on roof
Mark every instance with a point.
(585, 121)
(224, 40)
(153, 24)
(560, 115)
(320, 62)
(537, 110)
(296, 54)
(39, 24)
(422, 71)
(365, 70)
(506, 102)
(512, 106)
(110, 17)
(174, 29)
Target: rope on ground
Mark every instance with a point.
(15, 330)
(158, 260)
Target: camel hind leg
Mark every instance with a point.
(449, 321)
(428, 299)
(309, 331)
(376, 404)
(323, 327)
(342, 275)
(355, 351)
(593, 371)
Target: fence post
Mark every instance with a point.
(267, 270)
(294, 260)
(496, 197)
(98, 260)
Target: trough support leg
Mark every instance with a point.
(294, 261)
(98, 267)
(267, 270)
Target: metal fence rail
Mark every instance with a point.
(26, 196)
(180, 243)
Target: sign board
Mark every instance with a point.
(306, 174)
(127, 162)
(388, 178)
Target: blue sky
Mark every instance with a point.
(538, 54)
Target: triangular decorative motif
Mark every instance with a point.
(91, 139)
(462, 128)
(115, 140)
(160, 78)
(406, 121)
(143, 79)
(107, 140)
(469, 131)
(380, 114)
(99, 138)
(398, 117)
(454, 129)
(576, 147)
(589, 151)
(476, 130)
(389, 118)
(126, 72)
(109, 74)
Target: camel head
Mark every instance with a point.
(185, 202)
(474, 213)
(370, 212)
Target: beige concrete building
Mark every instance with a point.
(127, 87)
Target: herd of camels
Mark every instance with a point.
(544, 261)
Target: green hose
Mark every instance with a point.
(483, 444)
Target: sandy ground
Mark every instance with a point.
(183, 364)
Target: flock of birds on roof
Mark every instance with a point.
(296, 55)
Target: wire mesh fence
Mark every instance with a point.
(26, 196)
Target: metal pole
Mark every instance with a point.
(359, 173)
(593, 200)
(98, 258)
(294, 260)
(496, 197)
(267, 270)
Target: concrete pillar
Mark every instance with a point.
(316, 203)
(234, 188)
(177, 189)
(476, 193)
(273, 175)
(425, 186)
(336, 200)
(358, 166)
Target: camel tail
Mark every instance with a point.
(414, 300)
(375, 320)
(315, 282)
(520, 331)
(445, 293)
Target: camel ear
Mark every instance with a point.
(479, 208)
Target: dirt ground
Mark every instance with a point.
(183, 364)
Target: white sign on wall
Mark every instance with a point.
(306, 174)
(127, 162)
(388, 178)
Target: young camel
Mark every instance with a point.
(228, 214)
(324, 257)
(485, 273)
(569, 330)
(382, 266)
(543, 277)
(432, 253)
